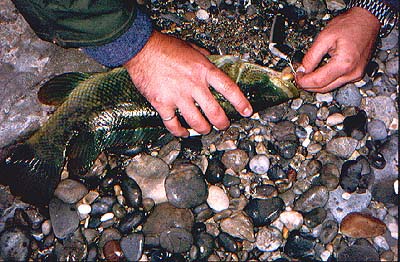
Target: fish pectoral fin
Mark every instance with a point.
(55, 91)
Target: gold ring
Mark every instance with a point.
(169, 118)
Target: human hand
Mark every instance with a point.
(173, 74)
(349, 40)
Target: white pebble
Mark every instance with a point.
(217, 199)
(296, 103)
(346, 196)
(46, 227)
(335, 119)
(380, 241)
(259, 164)
(394, 230)
(327, 97)
(107, 216)
(84, 209)
(202, 14)
(291, 219)
(325, 255)
(396, 186)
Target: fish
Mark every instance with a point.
(97, 112)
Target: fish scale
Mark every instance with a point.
(103, 111)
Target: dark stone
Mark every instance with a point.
(273, 114)
(358, 253)
(176, 240)
(131, 221)
(73, 248)
(185, 186)
(299, 245)
(276, 173)
(383, 191)
(132, 246)
(102, 206)
(356, 126)
(229, 180)
(329, 231)
(310, 110)
(264, 191)
(315, 217)
(112, 251)
(14, 245)
(94, 222)
(286, 149)
(329, 176)
(199, 227)
(228, 242)
(131, 191)
(264, 211)
(248, 146)
(234, 191)
(215, 171)
(294, 14)
(350, 175)
(372, 68)
(316, 196)
(284, 131)
(205, 243)
(376, 159)
(64, 218)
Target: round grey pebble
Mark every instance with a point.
(316, 196)
(132, 246)
(14, 245)
(328, 231)
(377, 129)
(358, 253)
(176, 240)
(349, 95)
(70, 191)
(64, 218)
(235, 159)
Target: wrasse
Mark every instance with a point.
(97, 112)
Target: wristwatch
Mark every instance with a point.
(386, 16)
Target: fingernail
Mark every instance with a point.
(301, 69)
(248, 111)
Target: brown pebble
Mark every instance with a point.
(112, 251)
(361, 225)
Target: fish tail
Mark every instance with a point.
(28, 176)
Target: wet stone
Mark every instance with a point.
(264, 192)
(73, 248)
(286, 149)
(131, 221)
(132, 246)
(205, 244)
(238, 225)
(361, 225)
(185, 186)
(350, 175)
(392, 66)
(227, 242)
(264, 211)
(102, 206)
(268, 239)
(131, 192)
(390, 41)
(273, 114)
(215, 171)
(383, 191)
(112, 251)
(291, 219)
(316, 196)
(314, 217)
(229, 180)
(355, 126)
(284, 131)
(348, 95)
(235, 159)
(176, 240)
(329, 176)
(64, 218)
(217, 199)
(14, 245)
(107, 235)
(70, 191)
(329, 231)
(380, 107)
(377, 129)
(342, 146)
(299, 245)
(276, 173)
(358, 253)
(309, 110)
(259, 164)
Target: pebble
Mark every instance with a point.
(268, 239)
(235, 159)
(131, 192)
(14, 245)
(310, 110)
(112, 251)
(185, 186)
(131, 221)
(176, 240)
(342, 146)
(390, 41)
(132, 246)
(299, 245)
(202, 14)
(102, 205)
(326, 97)
(215, 171)
(316, 196)
(46, 227)
(380, 107)
(227, 242)
(217, 199)
(296, 103)
(70, 191)
(329, 176)
(264, 211)
(107, 235)
(259, 164)
(377, 129)
(392, 66)
(329, 230)
(335, 119)
(355, 125)
(238, 225)
(205, 244)
(150, 174)
(84, 209)
(64, 218)
(348, 95)
(264, 191)
(274, 114)
(350, 175)
(358, 253)
(106, 217)
(291, 219)
(314, 217)
(361, 225)
(73, 247)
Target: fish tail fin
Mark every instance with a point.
(28, 176)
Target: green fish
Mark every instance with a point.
(104, 111)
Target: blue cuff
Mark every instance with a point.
(122, 49)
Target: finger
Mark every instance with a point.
(317, 51)
(172, 123)
(335, 84)
(193, 117)
(225, 86)
(203, 51)
(324, 75)
(212, 109)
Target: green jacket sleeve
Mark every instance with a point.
(78, 23)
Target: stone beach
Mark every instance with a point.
(313, 179)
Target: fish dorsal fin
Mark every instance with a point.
(55, 91)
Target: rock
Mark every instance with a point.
(392, 66)
(227, 242)
(132, 246)
(259, 164)
(380, 107)
(164, 217)
(329, 176)
(348, 95)
(291, 219)
(329, 231)
(286, 149)
(215, 171)
(358, 253)
(316, 196)
(112, 251)
(264, 211)
(314, 217)
(107, 235)
(205, 244)
(273, 114)
(356, 125)
(102, 205)
(284, 131)
(217, 199)
(131, 192)
(342, 146)
(264, 191)
(235, 159)
(131, 221)
(185, 186)
(299, 245)
(350, 175)
(314, 7)
(70, 191)
(176, 240)
(268, 239)
(326, 97)
(361, 225)
(72, 248)
(14, 245)
(64, 218)
(150, 174)
(335, 119)
(202, 14)
(238, 225)
(335, 5)
(377, 129)
(390, 41)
